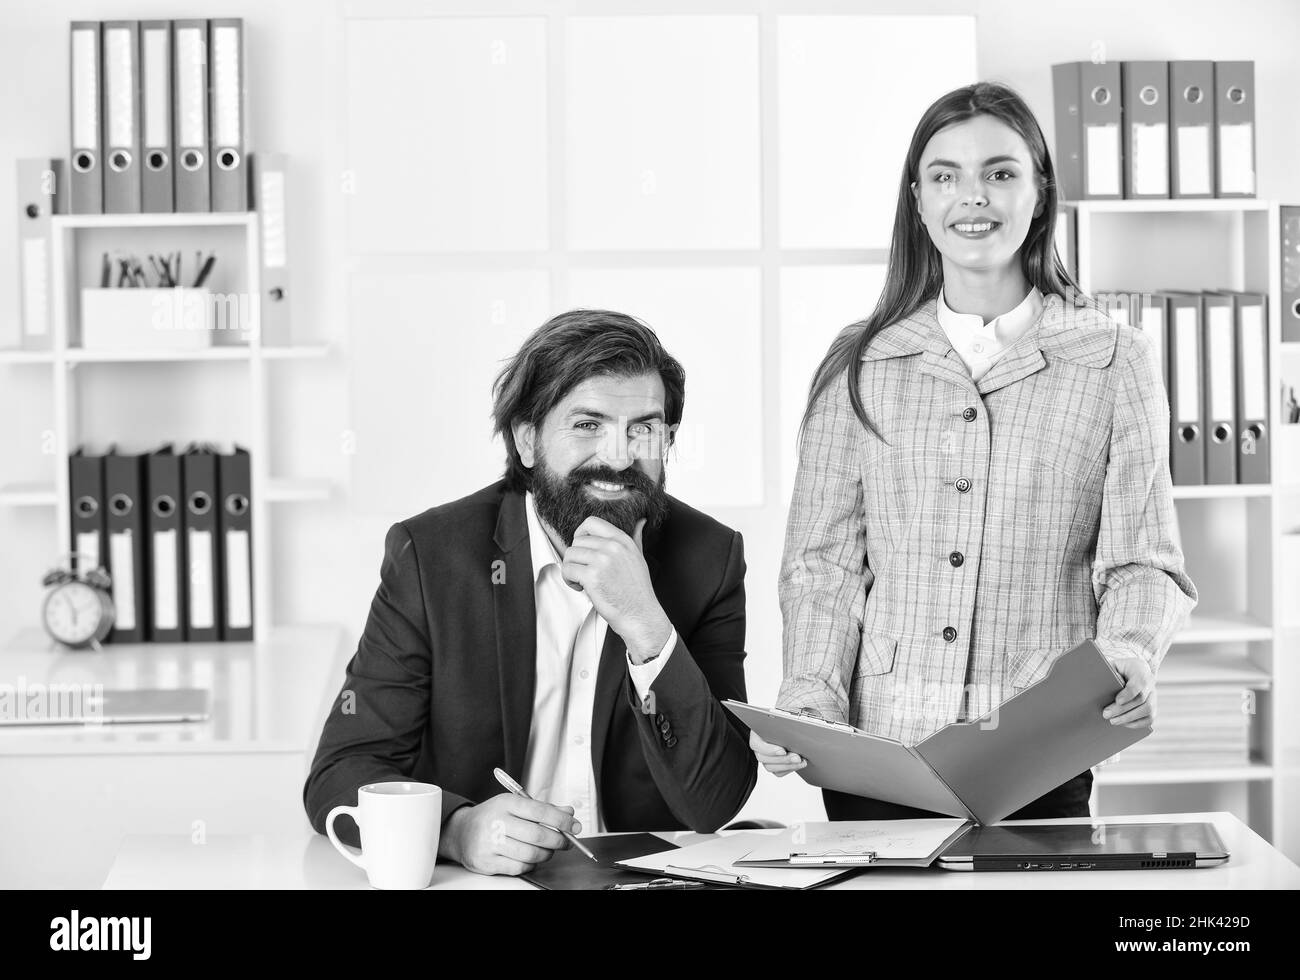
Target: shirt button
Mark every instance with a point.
(969, 414)
(577, 739)
(584, 675)
(963, 485)
(949, 633)
(956, 558)
(979, 348)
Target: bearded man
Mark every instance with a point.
(571, 624)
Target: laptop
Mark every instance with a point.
(1085, 847)
(113, 707)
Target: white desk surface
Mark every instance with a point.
(308, 861)
(268, 696)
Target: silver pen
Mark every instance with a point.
(518, 790)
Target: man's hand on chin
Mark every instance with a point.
(608, 565)
(505, 836)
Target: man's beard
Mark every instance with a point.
(564, 502)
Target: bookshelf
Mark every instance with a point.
(1233, 537)
(243, 359)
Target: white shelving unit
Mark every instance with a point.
(65, 359)
(1231, 535)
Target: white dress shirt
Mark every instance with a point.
(570, 636)
(980, 344)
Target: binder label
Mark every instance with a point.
(1102, 146)
(1194, 160)
(85, 91)
(225, 86)
(1150, 146)
(1221, 366)
(1252, 349)
(88, 549)
(202, 615)
(1153, 323)
(121, 94)
(1189, 388)
(157, 93)
(1236, 159)
(166, 614)
(272, 208)
(191, 87)
(122, 562)
(239, 591)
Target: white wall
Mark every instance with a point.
(398, 418)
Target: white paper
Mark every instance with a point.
(1189, 382)
(202, 615)
(1101, 144)
(912, 840)
(1194, 160)
(1222, 369)
(239, 588)
(1255, 364)
(1149, 145)
(166, 607)
(1237, 158)
(36, 291)
(121, 560)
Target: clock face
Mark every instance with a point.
(73, 612)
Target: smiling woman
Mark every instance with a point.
(949, 531)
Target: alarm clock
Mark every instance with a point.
(78, 610)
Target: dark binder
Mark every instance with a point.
(1290, 219)
(1152, 314)
(235, 522)
(1191, 126)
(1146, 128)
(1186, 406)
(1088, 139)
(1250, 328)
(203, 554)
(165, 493)
(86, 490)
(1218, 357)
(125, 526)
(1234, 110)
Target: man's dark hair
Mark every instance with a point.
(562, 353)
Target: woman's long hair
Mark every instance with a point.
(915, 272)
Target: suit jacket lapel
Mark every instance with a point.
(613, 669)
(515, 613)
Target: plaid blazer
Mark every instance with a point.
(928, 577)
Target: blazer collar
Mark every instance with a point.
(1083, 335)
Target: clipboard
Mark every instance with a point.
(858, 844)
(716, 862)
(980, 770)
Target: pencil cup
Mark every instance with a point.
(146, 319)
(400, 824)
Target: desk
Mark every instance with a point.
(308, 861)
(73, 792)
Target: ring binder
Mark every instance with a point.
(835, 856)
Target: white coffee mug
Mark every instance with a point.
(399, 824)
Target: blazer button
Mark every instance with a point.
(949, 633)
(956, 558)
(963, 485)
(660, 719)
(665, 728)
(969, 415)
(671, 741)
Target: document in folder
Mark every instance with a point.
(983, 770)
(858, 844)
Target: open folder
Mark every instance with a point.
(858, 844)
(982, 770)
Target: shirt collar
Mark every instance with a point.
(1006, 327)
(1084, 335)
(539, 542)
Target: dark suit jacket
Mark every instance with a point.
(441, 687)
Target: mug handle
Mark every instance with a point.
(354, 812)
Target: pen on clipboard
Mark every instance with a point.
(518, 790)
